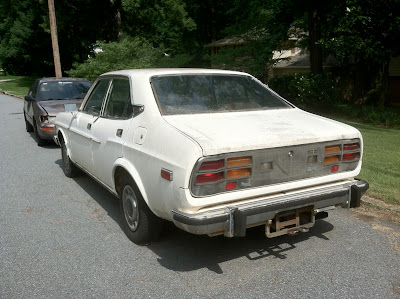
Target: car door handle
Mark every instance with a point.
(119, 133)
(89, 126)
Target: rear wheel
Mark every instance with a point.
(69, 168)
(141, 226)
(28, 126)
(40, 141)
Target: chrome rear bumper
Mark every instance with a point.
(233, 219)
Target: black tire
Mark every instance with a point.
(141, 226)
(39, 140)
(28, 126)
(69, 168)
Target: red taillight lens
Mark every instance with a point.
(209, 177)
(350, 147)
(334, 168)
(349, 157)
(212, 165)
(230, 186)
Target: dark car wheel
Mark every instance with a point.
(140, 224)
(69, 168)
(28, 126)
(40, 141)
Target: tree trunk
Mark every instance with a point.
(54, 39)
(116, 34)
(314, 20)
(213, 25)
(384, 86)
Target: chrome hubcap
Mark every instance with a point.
(130, 207)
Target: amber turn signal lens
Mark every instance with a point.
(47, 128)
(239, 161)
(238, 173)
(331, 159)
(332, 149)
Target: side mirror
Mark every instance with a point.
(137, 109)
(29, 98)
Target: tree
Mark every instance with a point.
(165, 23)
(24, 47)
(367, 33)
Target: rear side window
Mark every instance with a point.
(95, 100)
(119, 102)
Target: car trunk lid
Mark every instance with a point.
(220, 133)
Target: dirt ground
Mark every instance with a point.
(371, 207)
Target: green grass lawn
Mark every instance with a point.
(381, 161)
(19, 86)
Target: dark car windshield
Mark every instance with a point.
(188, 94)
(59, 90)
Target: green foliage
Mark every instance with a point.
(364, 30)
(165, 23)
(23, 48)
(130, 53)
(307, 89)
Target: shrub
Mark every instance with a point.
(129, 53)
(307, 89)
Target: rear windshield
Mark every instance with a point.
(59, 90)
(188, 94)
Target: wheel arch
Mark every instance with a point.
(62, 137)
(124, 168)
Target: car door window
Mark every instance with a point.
(32, 92)
(119, 104)
(95, 100)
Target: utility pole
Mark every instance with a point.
(54, 39)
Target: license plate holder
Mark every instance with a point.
(290, 222)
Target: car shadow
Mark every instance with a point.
(180, 251)
(51, 144)
(98, 193)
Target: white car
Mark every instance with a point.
(216, 152)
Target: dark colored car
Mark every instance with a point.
(46, 98)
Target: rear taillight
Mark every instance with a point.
(349, 157)
(212, 165)
(228, 170)
(337, 153)
(239, 161)
(238, 173)
(350, 147)
(209, 177)
(332, 149)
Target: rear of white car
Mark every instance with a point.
(279, 177)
